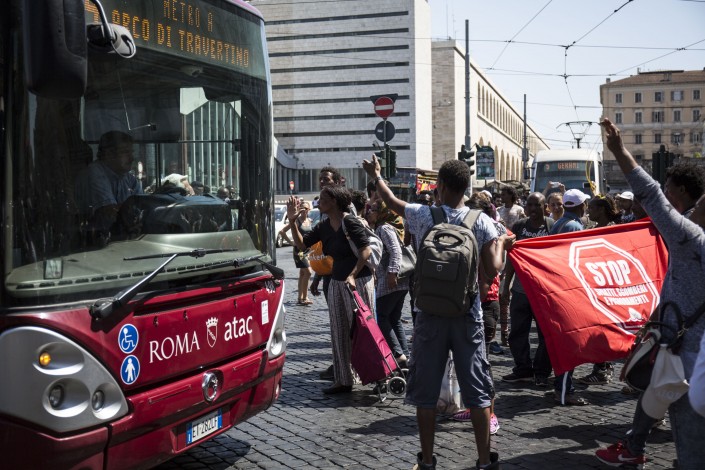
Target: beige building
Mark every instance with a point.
(494, 121)
(654, 109)
(327, 59)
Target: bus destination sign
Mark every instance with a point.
(190, 29)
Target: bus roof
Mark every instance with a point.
(566, 154)
(246, 6)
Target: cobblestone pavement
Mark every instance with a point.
(306, 429)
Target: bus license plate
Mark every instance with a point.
(203, 426)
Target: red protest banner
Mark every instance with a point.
(592, 290)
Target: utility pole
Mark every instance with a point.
(467, 87)
(467, 84)
(525, 150)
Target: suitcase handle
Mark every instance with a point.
(352, 294)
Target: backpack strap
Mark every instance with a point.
(549, 223)
(470, 218)
(438, 215)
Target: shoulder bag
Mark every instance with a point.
(638, 368)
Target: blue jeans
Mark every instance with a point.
(389, 309)
(688, 429)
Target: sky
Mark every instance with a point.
(607, 39)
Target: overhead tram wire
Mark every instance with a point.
(565, 56)
(518, 32)
(680, 49)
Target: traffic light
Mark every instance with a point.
(466, 156)
(382, 158)
(661, 161)
(391, 161)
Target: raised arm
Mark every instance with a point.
(616, 146)
(373, 170)
(292, 212)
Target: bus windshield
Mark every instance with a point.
(571, 173)
(92, 181)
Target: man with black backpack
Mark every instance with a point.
(454, 245)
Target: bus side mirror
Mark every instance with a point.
(55, 51)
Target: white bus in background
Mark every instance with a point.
(574, 168)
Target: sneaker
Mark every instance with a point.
(327, 374)
(541, 381)
(461, 416)
(496, 348)
(513, 377)
(659, 423)
(380, 388)
(627, 390)
(494, 424)
(493, 465)
(596, 378)
(617, 455)
(505, 339)
(422, 466)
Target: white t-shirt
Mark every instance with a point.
(511, 215)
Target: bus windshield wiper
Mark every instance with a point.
(277, 273)
(103, 308)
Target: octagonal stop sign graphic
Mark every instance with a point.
(616, 282)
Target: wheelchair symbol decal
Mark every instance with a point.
(128, 338)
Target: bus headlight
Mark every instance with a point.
(54, 382)
(56, 396)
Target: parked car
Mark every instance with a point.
(279, 223)
(315, 216)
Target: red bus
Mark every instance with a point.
(136, 320)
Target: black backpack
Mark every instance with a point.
(446, 266)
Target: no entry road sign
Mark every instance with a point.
(384, 107)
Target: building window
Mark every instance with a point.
(657, 116)
(638, 157)
(618, 118)
(677, 96)
(637, 138)
(658, 96)
(637, 97)
(618, 98)
(637, 117)
(696, 94)
(676, 138)
(696, 137)
(677, 115)
(657, 138)
(696, 115)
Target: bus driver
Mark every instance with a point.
(105, 184)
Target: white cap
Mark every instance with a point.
(628, 195)
(487, 193)
(175, 179)
(574, 197)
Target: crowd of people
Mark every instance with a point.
(501, 303)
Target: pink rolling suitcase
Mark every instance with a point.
(372, 358)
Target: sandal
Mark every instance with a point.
(305, 302)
